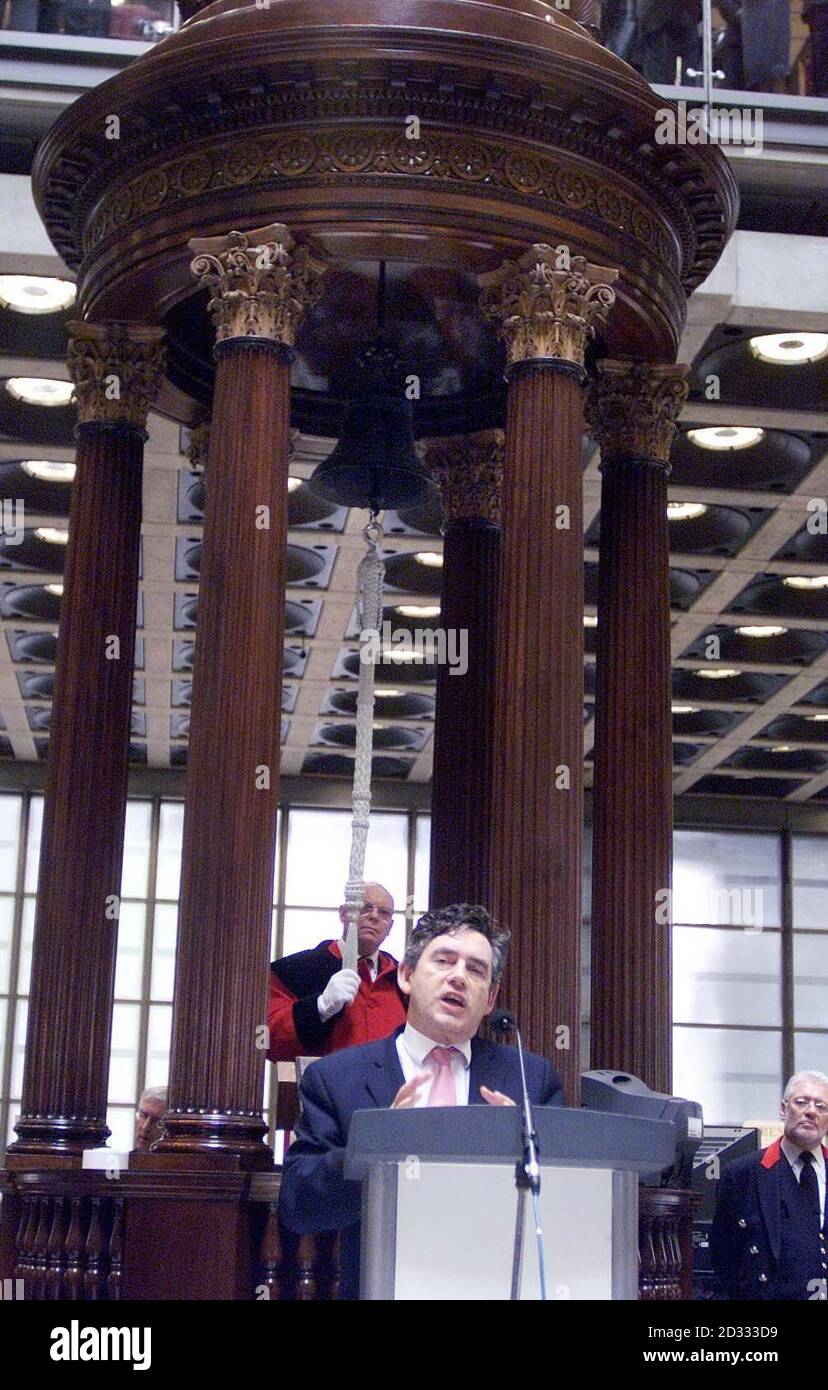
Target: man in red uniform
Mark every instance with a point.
(316, 1006)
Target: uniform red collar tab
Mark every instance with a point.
(773, 1153)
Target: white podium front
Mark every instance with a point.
(439, 1201)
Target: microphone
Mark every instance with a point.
(527, 1170)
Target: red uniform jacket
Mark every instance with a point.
(296, 983)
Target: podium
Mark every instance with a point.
(439, 1201)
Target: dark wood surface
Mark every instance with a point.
(513, 148)
(229, 841)
(536, 826)
(461, 789)
(63, 1108)
(631, 1010)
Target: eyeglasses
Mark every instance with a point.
(368, 908)
(803, 1102)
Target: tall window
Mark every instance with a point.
(727, 972)
(750, 945)
(810, 951)
(308, 888)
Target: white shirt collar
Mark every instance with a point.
(418, 1046)
(793, 1153)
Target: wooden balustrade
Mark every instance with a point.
(68, 1246)
(665, 1244)
(63, 1234)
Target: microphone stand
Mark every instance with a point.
(527, 1173)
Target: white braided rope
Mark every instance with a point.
(370, 578)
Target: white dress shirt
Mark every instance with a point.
(794, 1156)
(413, 1049)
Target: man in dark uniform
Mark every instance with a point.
(769, 1236)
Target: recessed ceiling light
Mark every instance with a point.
(590, 620)
(56, 589)
(806, 581)
(685, 511)
(40, 390)
(684, 709)
(817, 718)
(386, 693)
(781, 748)
(432, 558)
(790, 349)
(36, 294)
(718, 673)
(294, 483)
(418, 610)
(726, 436)
(49, 470)
(53, 534)
(768, 630)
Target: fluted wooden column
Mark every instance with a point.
(116, 369)
(262, 284)
(632, 409)
(468, 469)
(546, 316)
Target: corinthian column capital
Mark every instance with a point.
(117, 370)
(262, 282)
(547, 304)
(468, 469)
(632, 409)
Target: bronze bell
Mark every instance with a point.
(374, 465)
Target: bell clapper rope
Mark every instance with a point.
(370, 579)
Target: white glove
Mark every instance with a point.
(340, 990)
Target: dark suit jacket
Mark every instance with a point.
(746, 1236)
(314, 1194)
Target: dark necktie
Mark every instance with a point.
(808, 1185)
(364, 971)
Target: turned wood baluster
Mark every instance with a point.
(93, 1278)
(56, 1253)
(25, 1242)
(271, 1269)
(40, 1256)
(116, 1250)
(73, 1277)
(674, 1257)
(306, 1270)
(647, 1256)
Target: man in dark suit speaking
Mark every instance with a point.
(450, 973)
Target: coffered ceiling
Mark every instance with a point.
(750, 649)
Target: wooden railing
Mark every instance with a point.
(63, 1237)
(70, 1246)
(665, 1244)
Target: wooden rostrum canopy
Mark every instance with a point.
(225, 202)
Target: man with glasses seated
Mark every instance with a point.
(770, 1235)
(316, 1006)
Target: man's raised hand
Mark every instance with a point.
(406, 1096)
(340, 990)
(495, 1097)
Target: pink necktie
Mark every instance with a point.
(443, 1090)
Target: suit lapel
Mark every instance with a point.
(386, 1076)
(487, 1069)
(770, 1196)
